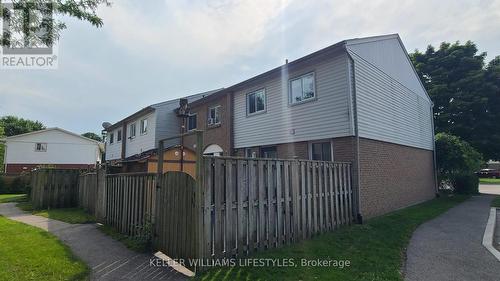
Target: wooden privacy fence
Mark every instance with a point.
(130, 201)
(175, 221)
(252, 205)
(92, 193)
(54, 188)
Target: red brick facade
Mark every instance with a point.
(19, 168)
(216, 134)
(393, 176)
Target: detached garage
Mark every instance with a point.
(52, 148)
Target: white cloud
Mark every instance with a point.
(149, 51)
(191, 32)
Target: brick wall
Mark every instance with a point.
(393, 176)
(19, 168)
(219, 134)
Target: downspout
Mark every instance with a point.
(232, 151)
(354, 106)
(434, 160)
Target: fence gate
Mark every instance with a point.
(175, 216)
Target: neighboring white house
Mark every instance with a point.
(52, 147)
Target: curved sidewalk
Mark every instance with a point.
(107, 258)
(450, 246)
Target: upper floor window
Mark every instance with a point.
(111, 138)
(41, 147)
(191, 122)
(256, 101)
(133, 130)
(302, 88)
(144, 126)
(214, 115)
(321, 151)
(119, 136)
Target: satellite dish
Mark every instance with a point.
(106, 125)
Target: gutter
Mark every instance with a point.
(434, 160)
(354, 106)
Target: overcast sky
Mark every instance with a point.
(152, 51)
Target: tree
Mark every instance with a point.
(465, 93)
(39, 24)
(457, 161)
(15, 126)
(93, 136)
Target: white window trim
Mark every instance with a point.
(248, 104)
(140, 127)
(130, 130)
(218, 107)
(187, 125)
(310, 145)
(121, 136)
(290, 101)
(41, 143)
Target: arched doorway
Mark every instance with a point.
(214, 150)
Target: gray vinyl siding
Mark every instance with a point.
(167, 122)
(325, 117)
(388, 110)
(141, 142)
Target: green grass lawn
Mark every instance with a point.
(376, 249)
(30, 253)
(6, 198)
(69, 215)
(496, 202)
(128, 241)
(489, 181)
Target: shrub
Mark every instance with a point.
(2, 185)
(14, 185)
(457, 162)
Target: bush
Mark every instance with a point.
(2, 185)
(465, 184)
(457, 162)
(14, 185)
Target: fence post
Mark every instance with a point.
(198, 214)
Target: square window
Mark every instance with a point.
(302, 88)
(269, 152)
(256, 101)
(322, 151)
(41, 147)
(214, 115)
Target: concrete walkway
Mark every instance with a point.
(107, 258)
(450, 246)
(489, 189)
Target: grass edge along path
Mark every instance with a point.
(7, 198)
(375, 249)
(489, 181)
(30, 253)
(496, 202)
(129, 242)
(69, 215)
